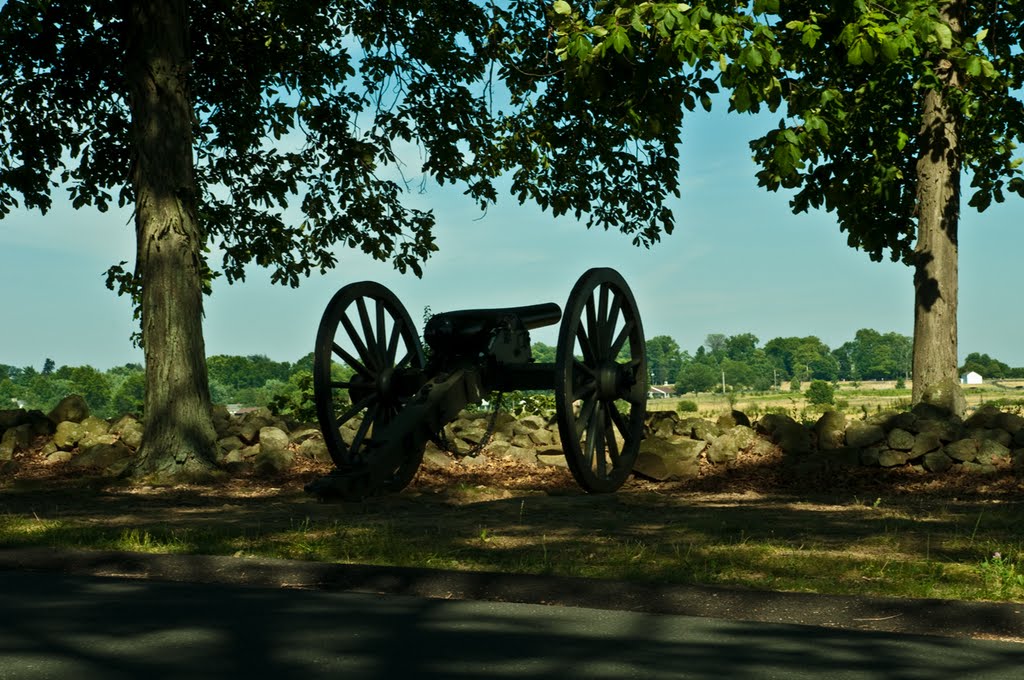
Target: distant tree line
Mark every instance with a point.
(257, 380)
(248, 381)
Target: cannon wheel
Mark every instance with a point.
(601, 381)
(367, 328)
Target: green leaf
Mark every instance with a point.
(620, 40)
(853, 55)
(867, 53)
(973, 66)
(945, 35)
(562, 7)
(901, 140)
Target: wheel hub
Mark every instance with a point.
(609, 381)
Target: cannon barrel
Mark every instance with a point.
(469, 328)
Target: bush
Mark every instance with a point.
(901, 384)
(686, 406)
(820, 392)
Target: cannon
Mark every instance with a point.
(380, 398)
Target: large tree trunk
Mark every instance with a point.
(179, 440)
(936, 253)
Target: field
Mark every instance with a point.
(856, 399)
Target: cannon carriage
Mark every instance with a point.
(380, 398)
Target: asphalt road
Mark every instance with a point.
(56, 625)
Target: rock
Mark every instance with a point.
(947, 430)
(314, 448)
(71, 408)
(433, 458)
(793, 438)
(522, 441)
(498, 447)
(521, 454)
(984, 417)
(870, 457)
(302, 434)
(730, 420)
(67, 435)
(900, 440)
(111, 458)
(273, 441)
(1017, 457)
(863, 435)
(728, 445)
(58, 457)
(542, 438)
(249, 426)
(704, 430)
(830, 430)
(1011, 422)
(272, 461)
(552, 457)
(664, 460)
(885, 419)
(1001, 436)
(11, 417)
(947, 396)
(129, 430)
(232, 443)
(965, 450)
(221, 419)
(771, 422)
(936, 461)
(992, 452)
(532, 422)
(474, 434)
(15, 440)
(979, 468)
(925, 442)
(892, 458)
(92, 431)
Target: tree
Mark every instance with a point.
(226, 114)
(886, 104)
(696, 377)
(820, 393)
(663, 359)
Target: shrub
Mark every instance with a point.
(686, 406)
(901, 384)
(820, 392)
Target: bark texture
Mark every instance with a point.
(936, 282)
(179, 439)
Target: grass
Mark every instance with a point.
(854, 399)
(872, 548)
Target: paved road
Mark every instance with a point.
(71, 626)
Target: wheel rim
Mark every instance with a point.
(366, 358)
(601, 397)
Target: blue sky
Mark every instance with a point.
(738, 261)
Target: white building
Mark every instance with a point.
(971, 378)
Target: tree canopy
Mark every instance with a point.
(883, 105)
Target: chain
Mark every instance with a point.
(475, 450)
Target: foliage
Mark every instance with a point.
(296, 400)
(663, 359)
(686, 406)
(820, 392)
(523, 403)
(696, 377)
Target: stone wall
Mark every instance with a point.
(675, 448)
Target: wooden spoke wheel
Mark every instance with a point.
(366, 365)
(601, 381)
